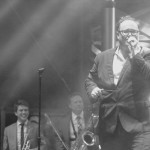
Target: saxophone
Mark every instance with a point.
(86, 137)
(26, 144)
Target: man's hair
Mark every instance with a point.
(73, 95)
(20, 102)
(124, 18)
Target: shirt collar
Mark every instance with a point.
(119, 54)
(74, 116)
(18, 122)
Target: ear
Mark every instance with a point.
(118, 36)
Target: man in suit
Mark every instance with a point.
(22, 135)
(71, 125)
(120, 80)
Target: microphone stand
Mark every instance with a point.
(56, 131)
(40, 71)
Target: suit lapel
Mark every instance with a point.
(86, 118)
(28, 130)
(66, 129)
(109, 65)
(14, 132)
(124, 69)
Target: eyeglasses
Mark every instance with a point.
(129, 31)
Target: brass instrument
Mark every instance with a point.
(26, 144)
(87, 137)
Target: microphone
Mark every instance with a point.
(132, 41)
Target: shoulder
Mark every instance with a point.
(108, 52)
(87, 114)
(66, 116)
(64, 119)
(33, 128)
(10, 128)
(32, 125)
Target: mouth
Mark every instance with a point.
(24, 117)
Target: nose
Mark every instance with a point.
(129, 33)
(24, 111)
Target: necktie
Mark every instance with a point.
(79, 124)
(22, 134)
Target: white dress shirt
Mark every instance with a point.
(19, 133)
(118, 63)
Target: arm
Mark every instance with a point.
(141, 61)
(91, 83)
(140, 56)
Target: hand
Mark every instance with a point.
(96, 93)
(133, 46)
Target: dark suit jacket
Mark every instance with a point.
(129, 99)
(63, 126)
(10, 136)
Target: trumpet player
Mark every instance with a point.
(22, 135)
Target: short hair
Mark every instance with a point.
(73, 95)
(124, 18)
(20, 102)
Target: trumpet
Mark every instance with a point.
(26, 144)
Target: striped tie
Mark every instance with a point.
(79, 124)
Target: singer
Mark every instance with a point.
(120, 80)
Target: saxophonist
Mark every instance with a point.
(71, 125)
(23, 134)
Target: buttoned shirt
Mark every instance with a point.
(19, 133)
(118, 63)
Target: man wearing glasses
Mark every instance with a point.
(120, 80)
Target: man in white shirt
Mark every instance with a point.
(23, 134)
(120, 80)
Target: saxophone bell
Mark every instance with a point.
(89, 138)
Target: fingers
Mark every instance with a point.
(132, 41)
(96, 93)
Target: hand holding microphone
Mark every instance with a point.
(133, 46)
(132, 41)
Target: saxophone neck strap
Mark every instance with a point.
(74, 131)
